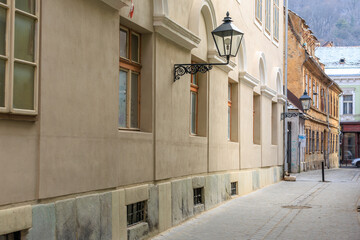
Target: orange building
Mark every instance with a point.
(306, 73)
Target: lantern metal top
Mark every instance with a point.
(227, 26)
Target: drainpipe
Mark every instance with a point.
(286, 165)
(328, 123)
(339, 131)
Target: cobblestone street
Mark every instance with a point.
(305, 209)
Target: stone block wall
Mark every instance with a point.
(103, 216)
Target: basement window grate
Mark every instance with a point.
(233, 188)
(198, 196)
(11, 236)
(136, 213)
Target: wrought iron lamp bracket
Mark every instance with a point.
(290, 115)
(182, 69)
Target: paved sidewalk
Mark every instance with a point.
(305, 209)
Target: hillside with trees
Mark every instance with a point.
(331, 20)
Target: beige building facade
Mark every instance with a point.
(95, 132)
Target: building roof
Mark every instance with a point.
(331, 56)
(294, 100)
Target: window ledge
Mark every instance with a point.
(275, 42)
(117, 4)
(18, 117)
(248, 79)
(258, 24)
(176, 33)
(267, 92)
(281, 98)
(267, 34)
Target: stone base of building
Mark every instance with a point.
(315, 165)
(103, 216)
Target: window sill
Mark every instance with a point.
(258, 24)
(129, 129)
(18, 117)
(275, 42)
(267, 34)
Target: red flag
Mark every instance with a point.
(131, 12)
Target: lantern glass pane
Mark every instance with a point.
(219, 41)
(235, 44)
(306, 104)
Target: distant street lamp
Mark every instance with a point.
(227, 38)
(305, 101)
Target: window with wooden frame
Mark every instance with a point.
(317, 141)
(331, 104)
(337, 107)
(314, 93)
(322, 102)
(258, 10)
(318, 95)
(268, 16)
(309, 147)
(310, 87)
(322, 142)
(229, 109)
(334, 106)
(194, 99)
(19, 54)
(312, 141)
(129, 79)
(307, 141)
(276, 20)
(337, 143)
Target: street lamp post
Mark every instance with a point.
(227, 38)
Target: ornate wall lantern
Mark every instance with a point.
(227, 38)
(305, 100)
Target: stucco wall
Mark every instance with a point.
(75, 146)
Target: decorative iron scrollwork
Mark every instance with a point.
(182, 69)
(290, 115)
